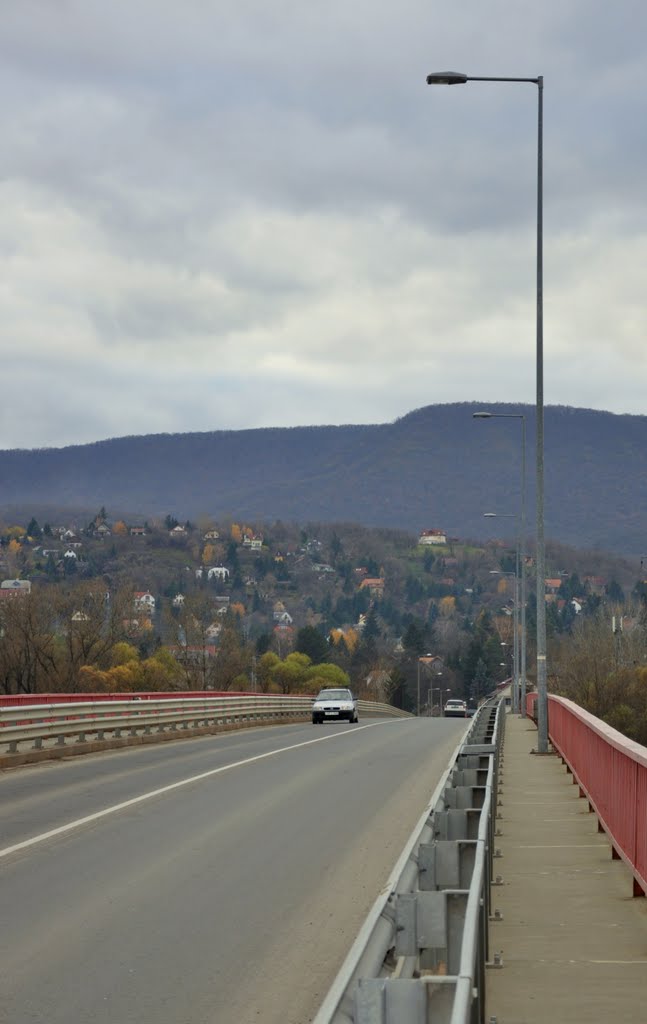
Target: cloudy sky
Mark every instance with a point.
(243, 213)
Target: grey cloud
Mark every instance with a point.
(228, 216)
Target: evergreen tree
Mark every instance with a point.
(310, 641)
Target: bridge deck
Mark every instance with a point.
(573, 939)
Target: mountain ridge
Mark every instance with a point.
(434, 466)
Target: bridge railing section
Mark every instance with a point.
(98, 719)
(611, 772)
(422, 952)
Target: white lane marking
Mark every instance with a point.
(175, 785)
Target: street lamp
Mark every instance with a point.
(522, 536)
(518, 671)
(421, 660)
(439, 690)
(457, 78)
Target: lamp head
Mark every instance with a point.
(446, 78)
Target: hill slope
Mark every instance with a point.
(436, 467)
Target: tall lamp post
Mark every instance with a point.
(522, 539)
(457, 78)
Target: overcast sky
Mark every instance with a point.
(256, 213)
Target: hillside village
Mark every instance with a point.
(226, 606)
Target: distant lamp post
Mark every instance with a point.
(458, 78)
(522, 543)
(518, 642)
(421, 661)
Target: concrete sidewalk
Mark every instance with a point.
(573, 939)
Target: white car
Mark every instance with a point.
(334, 704)
(455, 709)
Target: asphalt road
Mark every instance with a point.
(212, 881)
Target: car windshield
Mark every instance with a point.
(334, 695)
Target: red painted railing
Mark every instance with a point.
(611, 772)
(17, 699)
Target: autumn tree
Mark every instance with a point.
(29, 661)
(289, 675)
(90, 620)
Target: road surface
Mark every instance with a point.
(218, 880)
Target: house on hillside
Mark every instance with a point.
(16, 585)
(218, 572)
(432, 537)
(374, 585)
(596, 585)
(144, 602)
(178, 532)
(12, 589)
(254, 543)
(137, 531)
(432, 661)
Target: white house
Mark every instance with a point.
(432, 537)
(218, 572)
(178, 601)
(283, 618)
(144, 601)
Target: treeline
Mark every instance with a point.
(602, 667)
(80, 639)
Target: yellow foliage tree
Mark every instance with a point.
(237, 609)
(208, 554)
(122, 653)
(447, 606)
(236, 533)
(14, 547)
(120, 528)
(351, 638)
(16, 532)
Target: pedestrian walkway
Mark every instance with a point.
(573, 939)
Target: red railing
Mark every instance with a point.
(611, 772)
(17, 699)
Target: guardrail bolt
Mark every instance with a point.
(496, 916)
(499, 832)
(493, 1020)
(497, 961)
(497, 852)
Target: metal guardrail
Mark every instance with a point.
(38, 722)
(421, 955)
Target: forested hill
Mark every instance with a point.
(436, 467)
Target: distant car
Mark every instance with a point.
(334, 704)
(455, 709)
